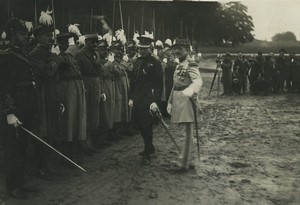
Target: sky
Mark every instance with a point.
(274, 16)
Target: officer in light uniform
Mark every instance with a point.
(187, 84)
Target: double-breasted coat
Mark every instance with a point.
(108, 88)
(146, 88)
(45, 65)
(89, 68)
(121, 85)
(72, 97)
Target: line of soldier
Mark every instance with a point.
(83, 94)
(265, 75)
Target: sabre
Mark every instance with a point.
(165, 126)
(58, 152)
(54, 25)
(196, 126)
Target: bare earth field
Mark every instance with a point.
(250, 155)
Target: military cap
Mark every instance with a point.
(92, 36)
(16, 25)
(117, 44)
(102, 44)
(130, 44)
(159, 44)
(41, 29)
(144, 42)
(45, 24)
(64, 37)
(168, 43)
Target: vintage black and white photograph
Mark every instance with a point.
(149, 102)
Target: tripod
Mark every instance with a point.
(217, 74)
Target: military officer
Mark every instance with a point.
(45, 64)
(145, 93)
(184, 102)
(17, 105)
(71, 99)
(89, 68)
(121, 85)
(106, 107)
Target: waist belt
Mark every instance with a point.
(70, 78)
(180, 88)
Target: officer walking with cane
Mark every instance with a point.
(183, 104)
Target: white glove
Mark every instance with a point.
(188, 92)
(13, 120)
(71, 41)
(55, 50)
(153, 107)
(111, 57)
(130, 103)
(125, 58)
(165, 60)
(176, 60)
(62, 108)
(103, 97)
(155, 52)
(169, 108)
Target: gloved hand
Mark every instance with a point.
(130, 103)
(188, 92)
(125, 58)
(71, 41)
(13, 120)
(169, 108)
(103, 97)
(165, 60)
(55, 50)
(62, 108)
(111, 57)
(176, 60)
(153, 107)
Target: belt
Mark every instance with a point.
(180, 88)
(70, 78)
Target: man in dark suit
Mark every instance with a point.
(145, 93)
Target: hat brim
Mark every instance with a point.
(143, 46)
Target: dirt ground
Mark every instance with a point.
(250, 154)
